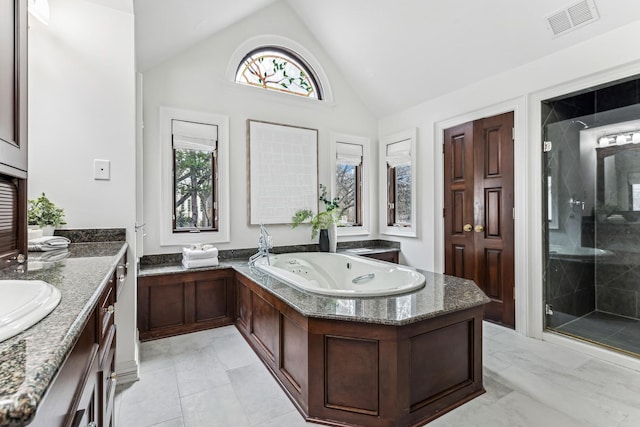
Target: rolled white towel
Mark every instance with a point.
(48, 243)
(199, 263)
(191, 254)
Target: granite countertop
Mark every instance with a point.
(30, 360)
(441, 294)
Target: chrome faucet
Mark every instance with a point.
(265, 242)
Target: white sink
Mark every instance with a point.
(23, 303)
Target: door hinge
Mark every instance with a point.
(513, 134)
(443, 148)
(443, 212)
(548, 309)
(513, 213)
(547, 146)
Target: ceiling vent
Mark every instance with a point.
(572, 17)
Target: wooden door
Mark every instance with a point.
(478, 215)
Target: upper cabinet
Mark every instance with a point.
(13, 88)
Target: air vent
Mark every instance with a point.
(574, 16)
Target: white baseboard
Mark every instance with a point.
(129, 370)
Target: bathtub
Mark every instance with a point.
(581, 252)
(340, 275)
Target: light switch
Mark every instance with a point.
(101, 169)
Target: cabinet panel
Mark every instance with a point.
(166, 305)
(211, 299)
(173, 304)
(13, 87)
(264, 325)
(390, 256)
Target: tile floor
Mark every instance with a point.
(606, 328)
(212, 378)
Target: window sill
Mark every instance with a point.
(399, 231)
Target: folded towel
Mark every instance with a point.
(51, 256)
(199, 263)
(48, 243)
(191, 254)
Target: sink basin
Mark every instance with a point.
(23, 303)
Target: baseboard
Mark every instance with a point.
(129, 370)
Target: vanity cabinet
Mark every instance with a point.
(82, 393)
(389, 256)
(172, 304)
(13, 88)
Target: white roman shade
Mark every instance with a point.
(194, 136)
(348, 154)
(399, 153)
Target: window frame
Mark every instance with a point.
(214, 192)
(293, 57)
(364, 171)
(169, 236)
(299, 50)
(387, 186)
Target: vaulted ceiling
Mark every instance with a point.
(394, 53)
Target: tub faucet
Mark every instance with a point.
(265, 242)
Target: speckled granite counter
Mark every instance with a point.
(441, 294)
(30, 360)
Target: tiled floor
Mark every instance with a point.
(212, 378)
(605, 328)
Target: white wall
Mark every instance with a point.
(82, 107)
(195, 80)
(592, 62)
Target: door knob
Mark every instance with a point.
(479, 228)
(467, 227)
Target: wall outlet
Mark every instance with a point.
(101, 169)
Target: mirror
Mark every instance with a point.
(618, 178)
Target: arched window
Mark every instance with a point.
(278, 69)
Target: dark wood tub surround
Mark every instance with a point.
(354, 373)
(389, 361)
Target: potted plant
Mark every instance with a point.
(324, 222)
(44, 213)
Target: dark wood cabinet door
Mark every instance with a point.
(479, 201)
(13, 87)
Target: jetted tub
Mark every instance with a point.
(340, 275)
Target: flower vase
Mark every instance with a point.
(333, 238)
(324, 240)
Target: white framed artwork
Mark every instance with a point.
(283, 171)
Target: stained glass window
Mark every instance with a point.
(280, 70)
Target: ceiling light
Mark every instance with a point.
(621, 139)
(603, 140)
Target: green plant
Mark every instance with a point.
(43, 211)
(322, 219)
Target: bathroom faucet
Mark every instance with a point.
(265, 242)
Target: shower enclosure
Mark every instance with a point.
(591, 174)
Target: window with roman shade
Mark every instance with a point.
(194, 176)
